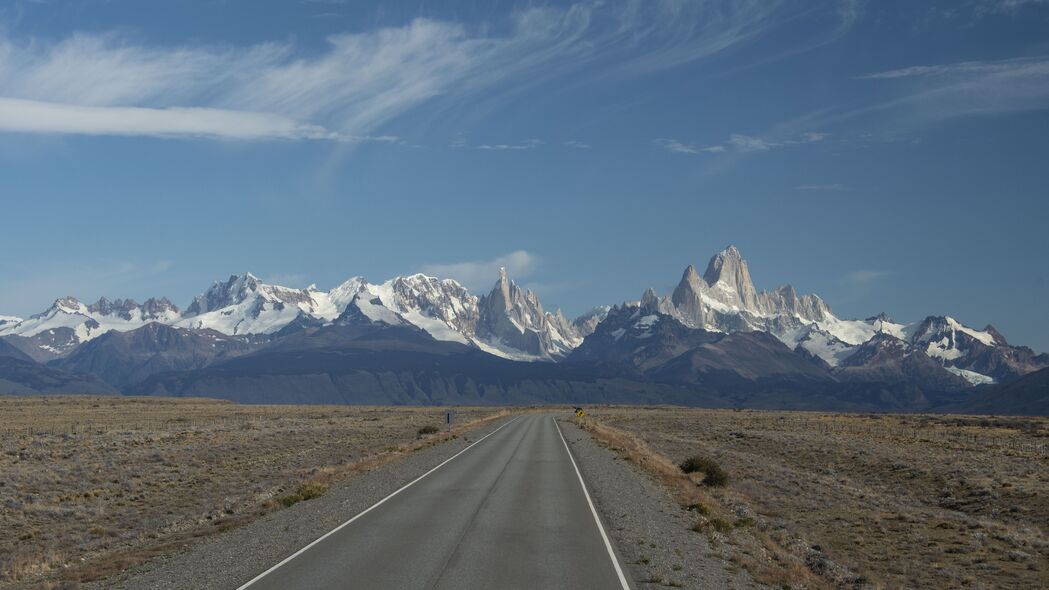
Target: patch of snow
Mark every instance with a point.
(500, 349)
(972, 376)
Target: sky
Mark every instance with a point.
(889, 156)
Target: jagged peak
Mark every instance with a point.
(67, 304)
(728, 259)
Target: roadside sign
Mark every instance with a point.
(449, 417)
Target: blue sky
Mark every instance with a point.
(889, 156)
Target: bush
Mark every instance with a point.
(713, 474)
(717, 524)
(306, 491)
(428, 429)
(697, 507)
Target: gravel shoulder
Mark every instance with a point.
(228, 560)
(651, 532)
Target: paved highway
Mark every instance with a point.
(509, 511)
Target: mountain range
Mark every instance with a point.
(714, 340)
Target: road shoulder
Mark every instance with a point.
(651, 532)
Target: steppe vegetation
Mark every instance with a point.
(853, 500)
(93, 485)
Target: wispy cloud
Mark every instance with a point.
(529, 144)
(579, 145)
(360, 81)
(681, 147)
(32, 116)
(739, 143)
(1022, 66)
(479, 275)
(985, 7)
(943, 91)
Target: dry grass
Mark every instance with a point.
(91, 486)
(852, 500)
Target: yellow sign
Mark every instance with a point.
(579, 412)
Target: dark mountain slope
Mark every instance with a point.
(9, 350)
(1027, 396)
(20, 377)
(123, 358)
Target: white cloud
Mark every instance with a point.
(480, 275)
(746, 143)
(524, 145)
(739, 143)
(31, 116)
(361, 81)
(680, 147)
(579, 145)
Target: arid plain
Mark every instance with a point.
(92, 485)
(857, 500)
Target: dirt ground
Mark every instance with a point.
(893, 501)
(89, 485)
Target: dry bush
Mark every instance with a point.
(307, 491)
(713, 474)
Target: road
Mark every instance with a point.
(509, 511)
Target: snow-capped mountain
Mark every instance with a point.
(725, 299)
(68, 322)
(513, 319)
(508, 322)
(245, 305)
(586, 324)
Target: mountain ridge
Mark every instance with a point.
(711, 330)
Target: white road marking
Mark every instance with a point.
(600, 528)
(380, 503)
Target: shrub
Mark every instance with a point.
(428, 429)
(700, 508)
(718, 524)
(713, 474)
(306, 491)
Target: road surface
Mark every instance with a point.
(510, 511)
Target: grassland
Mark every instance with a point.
(89, 486)
(832, 500)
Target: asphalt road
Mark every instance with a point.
(510, 511)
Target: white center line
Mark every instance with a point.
(376, 505)
(600, 528)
